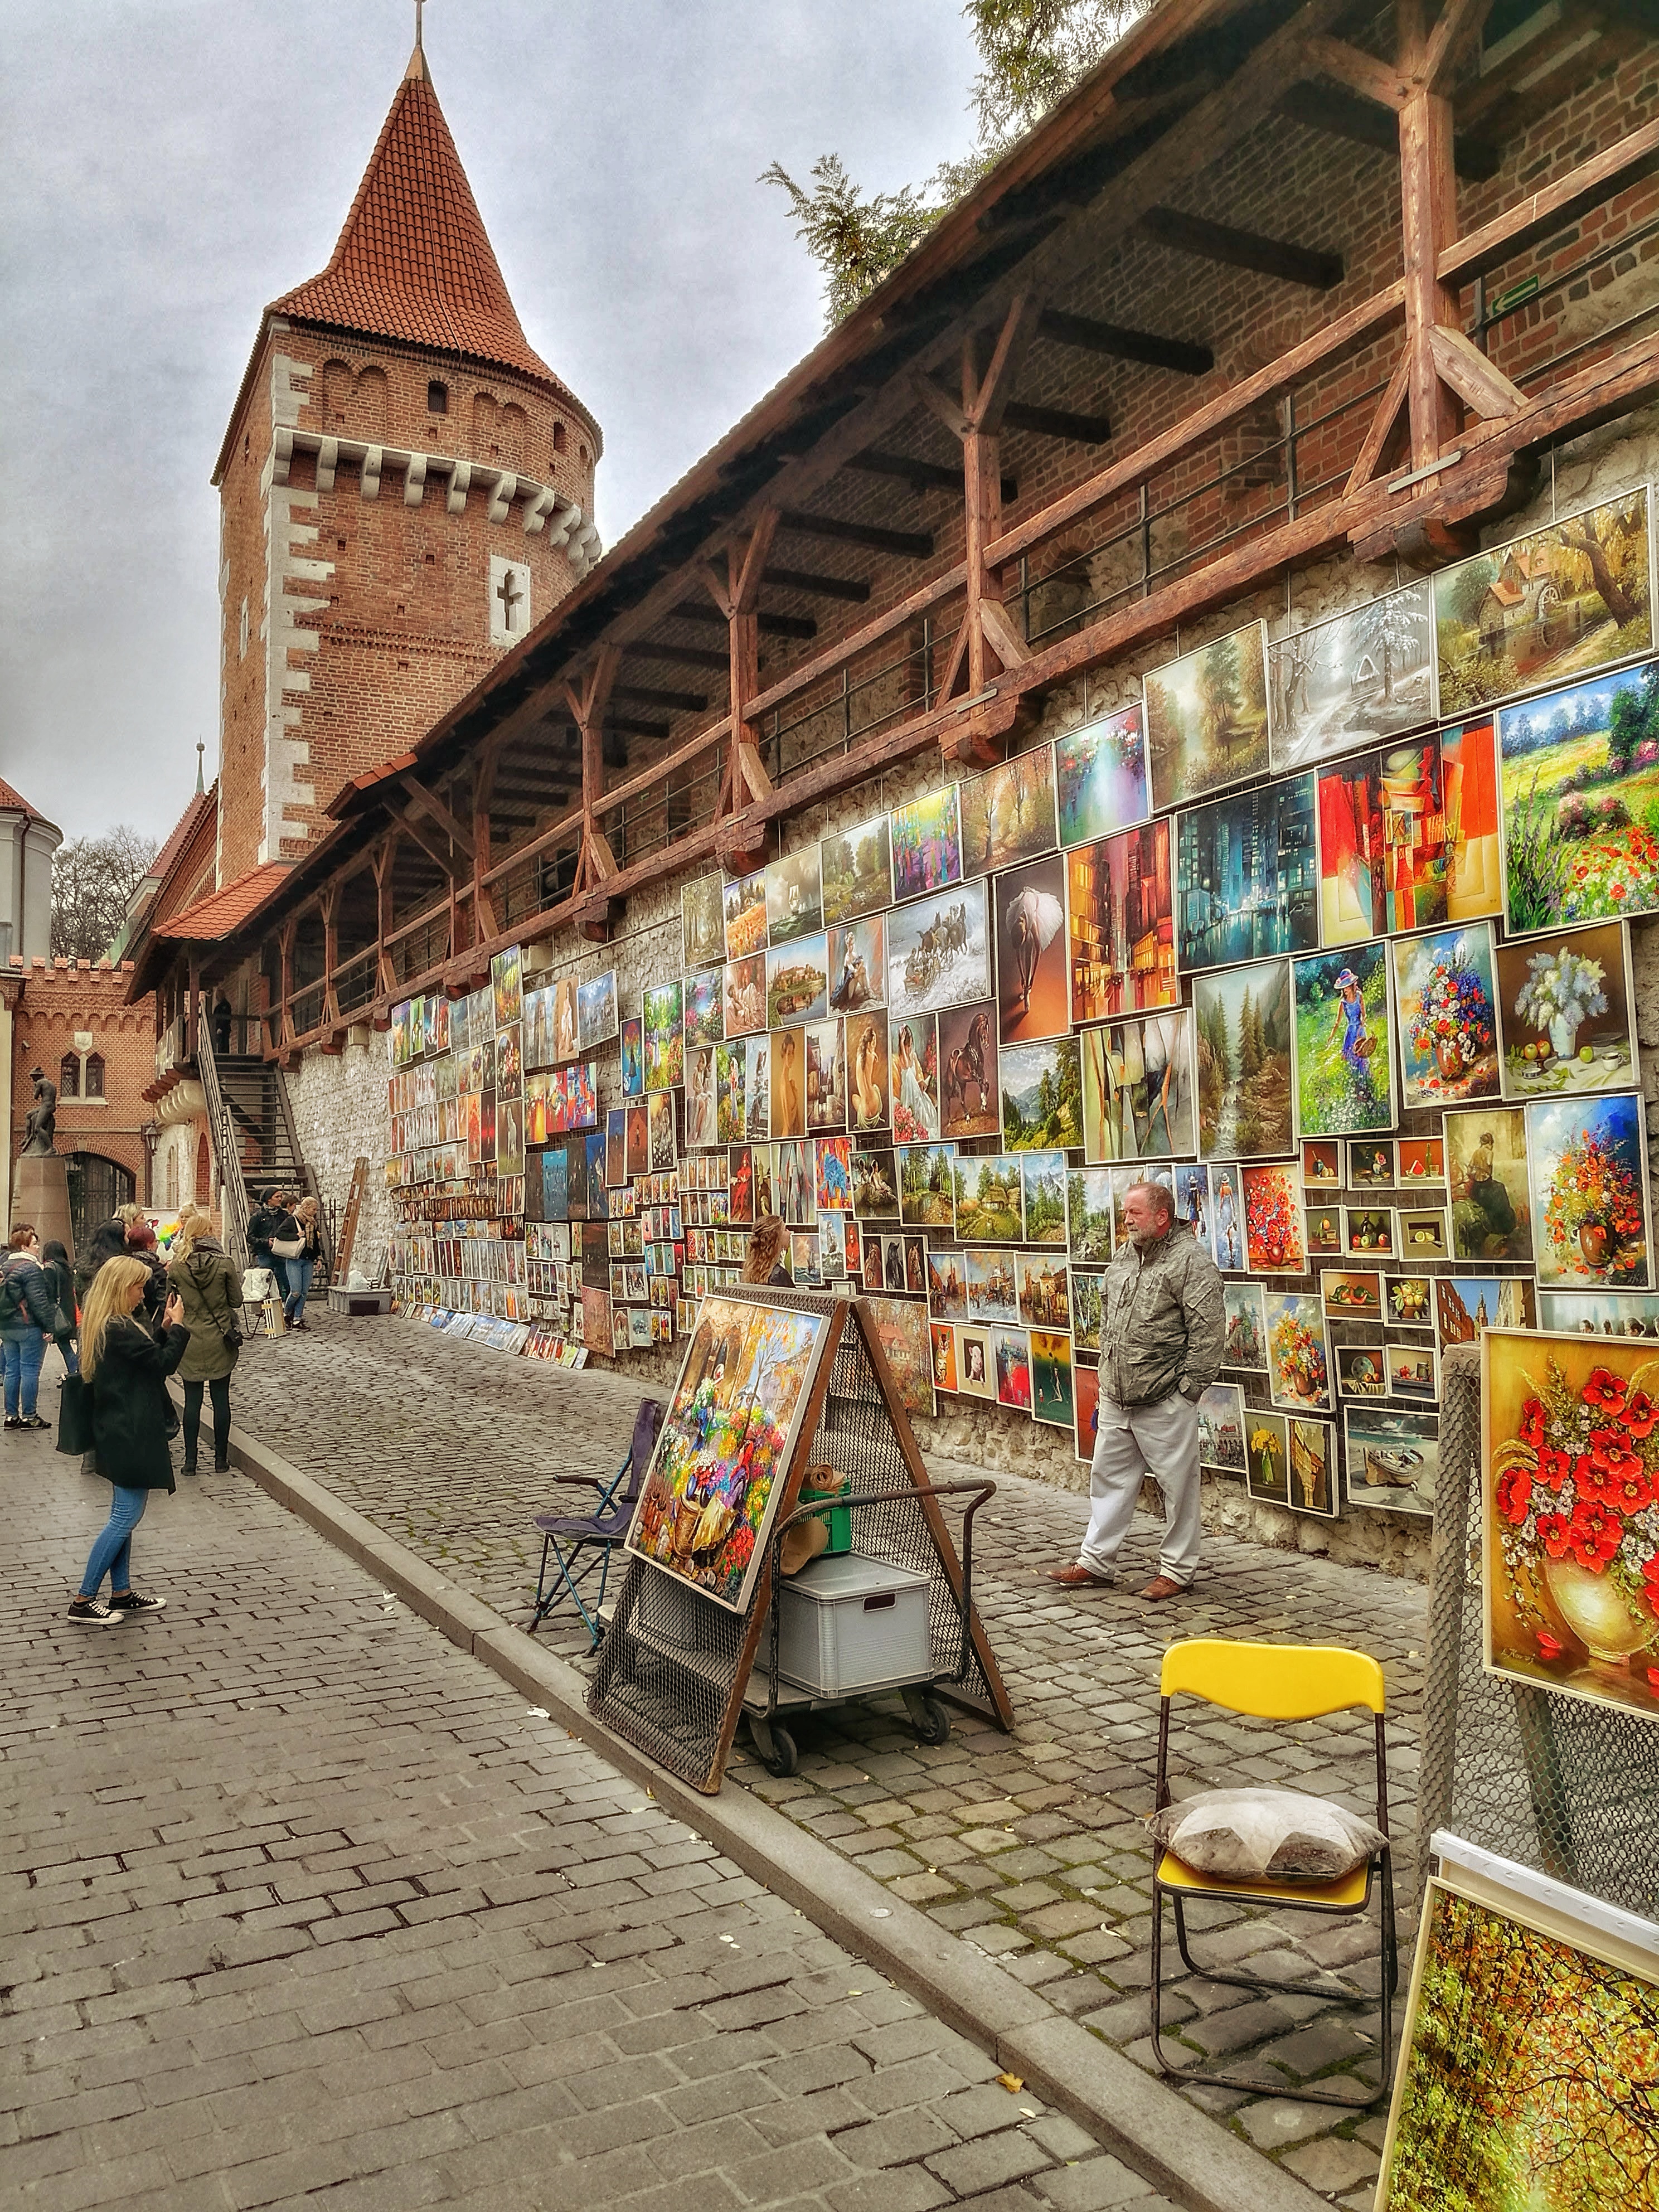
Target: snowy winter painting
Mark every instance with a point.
(1364, 675)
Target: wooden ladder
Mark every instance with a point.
(349, 1230)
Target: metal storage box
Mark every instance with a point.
(850, 1625)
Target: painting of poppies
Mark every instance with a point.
(1100, 775)
(1563, 1013)
(1581, 802)
(1445, 995)
(1206, 717)
(1344, 1068)
(1274, 1242)
(1007, 815)
(709, 1493)
(1590, 1184)
(1570, 1589)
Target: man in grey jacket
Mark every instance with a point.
(1160, 1350)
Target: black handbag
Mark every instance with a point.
(75, 1416)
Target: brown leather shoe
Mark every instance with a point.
(1075, 1577)
(1163, 1588)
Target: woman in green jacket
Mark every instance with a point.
(211, 1290)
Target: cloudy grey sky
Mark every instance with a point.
(172, 165)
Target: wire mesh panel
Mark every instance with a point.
(1569, 1787)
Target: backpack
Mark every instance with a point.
(14, 1306)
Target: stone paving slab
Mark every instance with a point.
(1030, 1847)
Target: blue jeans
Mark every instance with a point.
(111, 1554)
(298, 1273)
(71, 1358)
(23, 1357)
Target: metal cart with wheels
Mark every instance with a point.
(770, 1704)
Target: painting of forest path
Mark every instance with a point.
(1367, 673)
(1581, 802)
(1554, 603)
(1244, 1020)
(1207, 718)
(1525, 2084)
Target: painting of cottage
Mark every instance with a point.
(1366, 674)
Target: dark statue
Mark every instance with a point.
(40, 1126)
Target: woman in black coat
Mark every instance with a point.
(127, 1370)
(60, 1276)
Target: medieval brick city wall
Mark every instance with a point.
(62, 1000)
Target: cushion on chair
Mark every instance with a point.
(1283, 1835)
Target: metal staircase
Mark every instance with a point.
(254, 1142)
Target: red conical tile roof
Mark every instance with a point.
(414, 261)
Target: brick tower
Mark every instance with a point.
(405, 488)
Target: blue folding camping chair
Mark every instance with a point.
(578, 1545)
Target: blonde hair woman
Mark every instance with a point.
(126, 1370)
(307, 1220)
(764, 1262)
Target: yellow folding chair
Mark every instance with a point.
(1272, 1681)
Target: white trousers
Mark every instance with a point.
(1132, 1442)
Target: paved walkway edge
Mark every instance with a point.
(1194, 2160)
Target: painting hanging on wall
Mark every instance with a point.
(855, 871)
(795, 898)
(1572, 1516)
(1229, 1219)
(731, 1063)
(989, 1199)
(938, 952)
(507, 982)
(1089, 1204)
(1100, 775)
(1445, 998)
(597, 1010)
(709, 1494)
(1007, 815)
(1221, 1428)
(1042, 1181)
(913, 1077)
(1028, 905)
(1244, 1325)
(1422, 1161)
(1051, 1378)
(1267, 1456)
(1469, 794)
(745, 908)
(1206, 717)
(1344, 1063)
(1581, 802)
(1563, 1005)
(702, 922)
(1138, 1090)
(1195, 1203)
(1042, 1087)
(991, 1287)
(702, 1099)
(1486, 1180)
(1589, 1192)
(758, 1090)
(867, 1072)
(858, 965)
(789, 1097)
(743, 996)
(927, 1198)
(975, 1370)
(1011, 1352)
(1467, 1306)
(969, 1104)
(1085, 1390)
(1594, 1313)
(1274, 1241)
(797, 982)
(826, 1077)
(1120, 907)
(1242, 1017)
(1393, 1457)
(664, 1039)
(703, 1007)
(926, 839)
(1247, 877)
(1088, 1307)
(1298, 1353)
(875, 1185)
(1312, 1486)
(1367, 674)
(1556, 603)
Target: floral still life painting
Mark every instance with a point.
(1571, 1456)
(1564, 1010)
(1446, 997)
(1298, 1356)
(1589, 1192)
(1274, 1228)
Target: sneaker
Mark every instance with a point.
(33, 1421)
(95, 1613)
(12, 1421)
(131, 1602)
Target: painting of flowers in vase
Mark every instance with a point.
(1588, 1166)
(1564, 1011)
(1570, 1591)
(1446, 998)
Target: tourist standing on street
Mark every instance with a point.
(269, 1225)
(764, 1262)
(26, 1311)
(60, 1281)
(127, 1370)
(140, 1245)
(299, 1270)
(208, 1288)
(1160, 1350)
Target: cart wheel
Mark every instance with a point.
(935, 1726)
(781, 1760)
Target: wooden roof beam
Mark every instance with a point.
(920, 476)
(816, 587)
(680, 702)
(1342, 114)
(1180, 355)
(907, 544)
(1057, 422)
(694, 656)
(1242, 249)
(699, 611)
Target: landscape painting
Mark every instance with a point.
(797, 982)
(907, 1345)
(1138, 1094)
(926, 839)
(1042, 1179)
(703, 1014)
(702, 922)
(1554, 603)
(1089, 1202)
(794, 898)
(1247, 877)
(1207, 718)
(597, 1019)
(991, 1289)
(1467, 1306)
(1564, 1012)
(1244, 1325)
(1344, 1063)
(1393, 1458)
(1589, 1192)
(1029, 904)
(855, 871)
(1245, 1100)
(1581, 803)
(745, 908)
(927, 1197)
(989, 1199)
(1042, 1095)
(970, 1102)
(1120, 906)
(1487, 1177)
(665, 1040)
(1445, 1002)
(1221, 1428)
(1007, 815)
(938, 952)
(1088, 1307)
(1100, 775)
(1367, 674)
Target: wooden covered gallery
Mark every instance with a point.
(1284, 300)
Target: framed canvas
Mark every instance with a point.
(615, 1148)
(855, 871)
(794, 899)
(633, 1058)
(743, 906)
(1313, 1469)
(1244, 1325)
(788, 1099)
(944, 1339)
(1273, 1221)
(1363, 676)
(1229, 1188)
(925, 840)
(1393, 1457)
(660, 1143)
(1137, 1088)
(1385, 862)
(1221, 1429)
(1371, 1163)
(1242, 1020)
(901, 1330)
(1042, 1095)
(1052, 1399)
(1194, 1204)
(927, 1198)
(969, 1104)
(509, 1137)
(1530, 2008)
(1424, 1234)
(947, 1284)
(1088, 1203)
(1298, 1353)
(1088, 1298)
(564, 1020)
(507, 983)
(1572, 1520)
(832, 1184)
(509, 1063)
(757, 1089)
(702, 922)
(703, 1008)
(1413, 1372)
(702, 1099)
(1589, 1192)
(1491, 1215)
(867, 1101)
(1344, 1063)
(596, 1017)
(1446, 999)
(1007, 815)
(1043, 1291)
(826, 1077)
(1120, 907)
(993, 1293)
(731, 1065)
(1467, 1306)
(1362, 1371)
(1408, 1301)
(1043, 1183)
(1085, 1391)
(1351, 1293)
(743, 996)
(740, 1184)
(1597, 1313)
(664, 1042)
(1324, 1231)
(1100, 776)
(707, 1500)
(1565, 1012)
(1207, 718)
(857, 965)
(1267, 1456)
(1560, 601)
(1576, 769)
(1028, 906)
(975, 1368)
(1247, 877)
(938, 952)
(1368, 1231)
(989, 1199)
(875, 1185)
(1322, 1158)
(913, 1077)
(1011, 1352)
(1422, 1163)
(797, 982)
(1470, 793)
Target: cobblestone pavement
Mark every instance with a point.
(301, 1907)
(1031, 1846)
